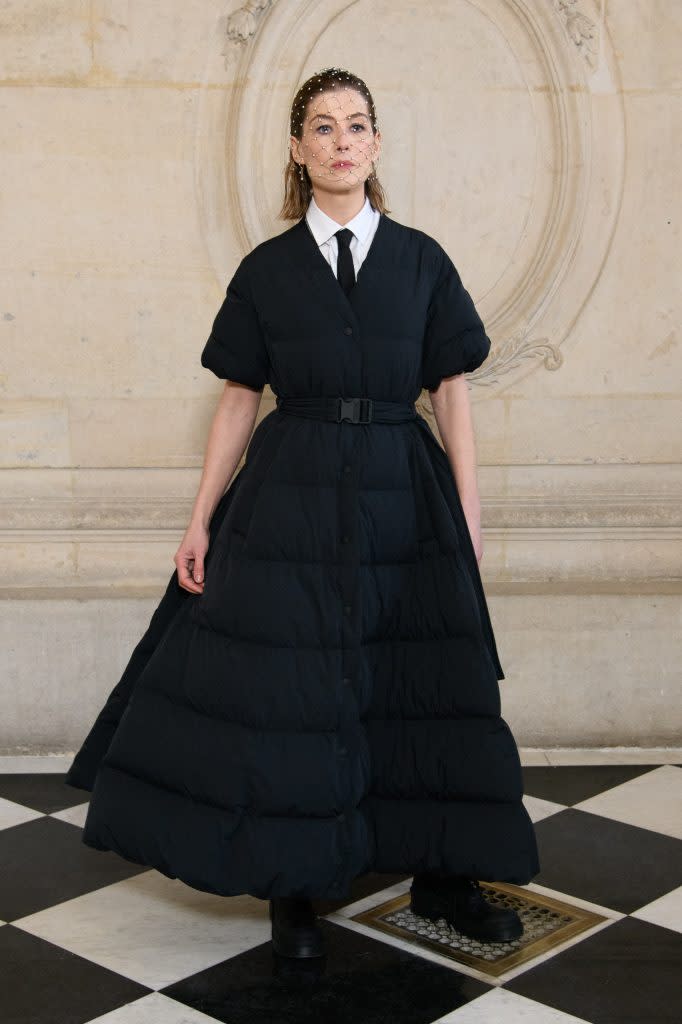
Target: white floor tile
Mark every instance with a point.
(15, 814)
(665, 911)
(502, 1007)
(652, 800)
(153, 929)
(154, 1009)
(74, 815)
(538, 808)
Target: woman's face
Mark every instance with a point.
(337, 145)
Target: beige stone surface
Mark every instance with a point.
(142, 156)
(34, 432)
(582, 669)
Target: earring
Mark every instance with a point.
(300, 171)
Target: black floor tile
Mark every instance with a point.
(360, 980)
(45, 984)
(43, 862)
(569, 784)
(42, 791)
(628, 973)
(625, 974)
(605, 861)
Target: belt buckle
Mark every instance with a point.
(352, 409)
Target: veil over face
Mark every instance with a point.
(338, 144)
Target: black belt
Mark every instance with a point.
(353, 410)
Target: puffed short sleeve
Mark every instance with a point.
(454, 339)
(236, 349)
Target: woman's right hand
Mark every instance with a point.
(189, 558)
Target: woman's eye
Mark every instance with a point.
(357, 124)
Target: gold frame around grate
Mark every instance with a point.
(581, 921)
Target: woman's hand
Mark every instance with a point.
(229, 434)
(189, 558)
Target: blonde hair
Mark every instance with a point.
(298, 188)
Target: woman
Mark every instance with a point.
(317, 693)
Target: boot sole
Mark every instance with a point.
(425, 905)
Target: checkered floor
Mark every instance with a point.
(88, 936)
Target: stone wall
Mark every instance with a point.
(143, 155)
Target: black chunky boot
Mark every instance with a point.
(295, 931)
(461, 902)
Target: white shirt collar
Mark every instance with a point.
(324, 227)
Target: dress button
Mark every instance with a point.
(348, 330)
(346, 608)
(341, 817)
(346, 680)
(343, 750)
(345, 538)
(346, 468)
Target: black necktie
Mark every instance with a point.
(344, 266)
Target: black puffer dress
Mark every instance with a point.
(330, 704)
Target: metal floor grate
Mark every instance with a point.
(547, 922)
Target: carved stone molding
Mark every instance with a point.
(241, 24)
(156, 515)
(134, 562)
(581, 28)
(562, 52)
